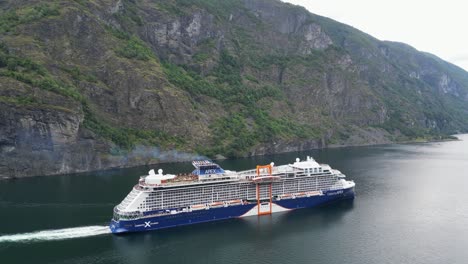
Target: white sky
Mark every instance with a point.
(438, 27)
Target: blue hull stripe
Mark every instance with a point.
(313, 201)
(215, 214)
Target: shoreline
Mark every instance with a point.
(331, 146)
(396, 142)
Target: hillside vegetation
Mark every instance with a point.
(87, 85)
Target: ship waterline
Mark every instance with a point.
(210, 193)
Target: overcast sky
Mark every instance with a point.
(438, 27)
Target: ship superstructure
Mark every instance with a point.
(210, 193)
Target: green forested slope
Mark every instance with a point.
(88, 85)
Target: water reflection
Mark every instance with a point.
(194, 243)
(410, 207)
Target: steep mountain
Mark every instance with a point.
(87, 85)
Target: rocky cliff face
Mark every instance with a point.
(88, 85)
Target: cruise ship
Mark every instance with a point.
(210, 193)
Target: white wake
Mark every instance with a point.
(58, 234)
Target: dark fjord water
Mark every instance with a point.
(411, 207)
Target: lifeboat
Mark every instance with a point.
(286, 196)
(196, 207)
(313, 193)
(216, 205)
(234, 202)
(300, 195)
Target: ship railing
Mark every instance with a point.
(216, 178)
(334, 187)
(120, 215)
(196, 207)
(141, 187)
(180, 179)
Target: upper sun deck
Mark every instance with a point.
(184, 180)
(208, 172)
(205, 171)
(298, 167)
